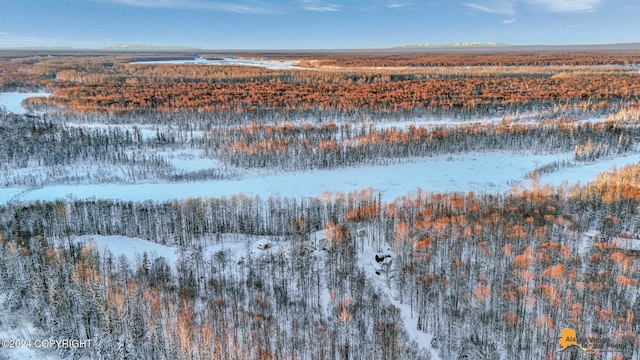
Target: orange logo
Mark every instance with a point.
(568, 339)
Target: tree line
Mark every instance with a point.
(400, 82)
(38, 152)
(292, 146)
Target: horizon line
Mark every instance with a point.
(401, 47)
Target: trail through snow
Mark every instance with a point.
(382, 277)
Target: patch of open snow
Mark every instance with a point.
(190, 160)
(131, 248)
(236, 246)
(487, 171)
(240, 246)
(583, 173)
(12, 102)
(626, 244)
(10, 193)
(325, 295)
(268, 64)
(15, 325)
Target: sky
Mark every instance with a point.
(314, 24)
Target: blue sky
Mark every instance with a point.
(315, 24)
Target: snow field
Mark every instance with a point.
(12, 101)
(494, 171)
(489, 172)
(267, 64)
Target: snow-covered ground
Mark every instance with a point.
(190, 160)
(15, 325)
(9, 193)
(381, 274)
(236, 246)
(585, 172)
(131, 248)
(12, 102)
(522, 119)
(490, 171)
(268, 64)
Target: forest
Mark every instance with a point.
(475, 274)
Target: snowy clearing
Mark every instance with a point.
(493, 172)
(585, 172)
(190, 160)
(12, 102)
(236, 246)
(7, 194)
(131, 248)
(268, 64)
(490, 171)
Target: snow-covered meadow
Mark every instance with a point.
(12, 102)
(489, 172)
(268, 64)
(493, 171)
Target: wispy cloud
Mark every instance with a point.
(508, 7)
(509, 21)
(385, 5)
(494, 7)
(322, 8)
(566, 5)
(315, 5)
(237, 7)
(395, 5)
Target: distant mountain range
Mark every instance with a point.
(455, 45)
